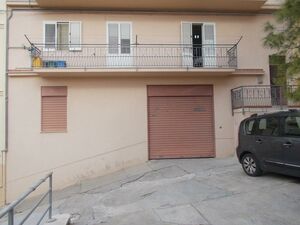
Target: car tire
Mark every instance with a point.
(251, 165)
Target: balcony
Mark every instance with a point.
(157, 5)
(135, 57)
(263, 96)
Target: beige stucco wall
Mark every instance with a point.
(107, 127)
(107, 116)
(149, 28)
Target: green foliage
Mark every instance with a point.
(278, 62)
(294, 94)
(284, 38)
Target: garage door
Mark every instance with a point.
(181, 122)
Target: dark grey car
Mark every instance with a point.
(270, 142)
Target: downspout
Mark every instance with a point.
(6, 81)
(4, 152)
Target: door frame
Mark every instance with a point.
(213, 113)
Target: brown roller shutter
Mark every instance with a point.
(54, 109)
(181, 121)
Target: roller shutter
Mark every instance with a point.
(54, 109)
(181, 121)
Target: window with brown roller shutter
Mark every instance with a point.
(54, 109)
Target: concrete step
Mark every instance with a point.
(59, 219)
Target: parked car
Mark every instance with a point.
(270, 142)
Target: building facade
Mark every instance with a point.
(98, 86)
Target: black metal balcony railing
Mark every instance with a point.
(133, 56)
(263, 96)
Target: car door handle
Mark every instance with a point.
(287, 144)
(259, 141)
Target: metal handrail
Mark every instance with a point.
(261, 85)
(134, 44)
(263, 96)
(52, 55)
(10, 209)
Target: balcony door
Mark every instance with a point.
(119, 52)
(197, 45)
(198, 40)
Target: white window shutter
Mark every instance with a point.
(113, 38)
(187, 48)
(209, 48)
(186, 33)
(209, 34)
(50, 35)
(75, 35)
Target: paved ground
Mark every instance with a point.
(183, 192)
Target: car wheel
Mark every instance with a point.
(251, 165)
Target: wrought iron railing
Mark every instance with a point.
(133, 56)
(10, 209)
(262, 96)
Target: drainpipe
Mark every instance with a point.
(6, 80)
(4, 152)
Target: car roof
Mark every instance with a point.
(293, 112)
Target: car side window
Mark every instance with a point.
(249, 127)
(292, 126)
(268, 127)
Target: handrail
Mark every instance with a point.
(105, 56)
(254, 86)
(10, 209)
(133, 44)
(263, 96)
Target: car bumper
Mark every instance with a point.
(238, 153)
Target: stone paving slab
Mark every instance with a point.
(182, 214)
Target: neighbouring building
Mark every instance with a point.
(98, 86)
(2, 96)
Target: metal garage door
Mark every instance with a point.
(181, 122)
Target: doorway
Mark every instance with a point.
(199, 48)
(197, 45)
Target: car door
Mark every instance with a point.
(267, 143)
(291, 144)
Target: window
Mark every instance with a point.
(125, 38)
(292, 126)
(268, 127)
(50, 35)
(113, 38)
(54, 109)
(249, 127)
(119, 38)
(62, 35)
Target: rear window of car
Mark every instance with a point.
(292, 126)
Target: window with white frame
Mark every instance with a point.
(62, 35)
(119, 37)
